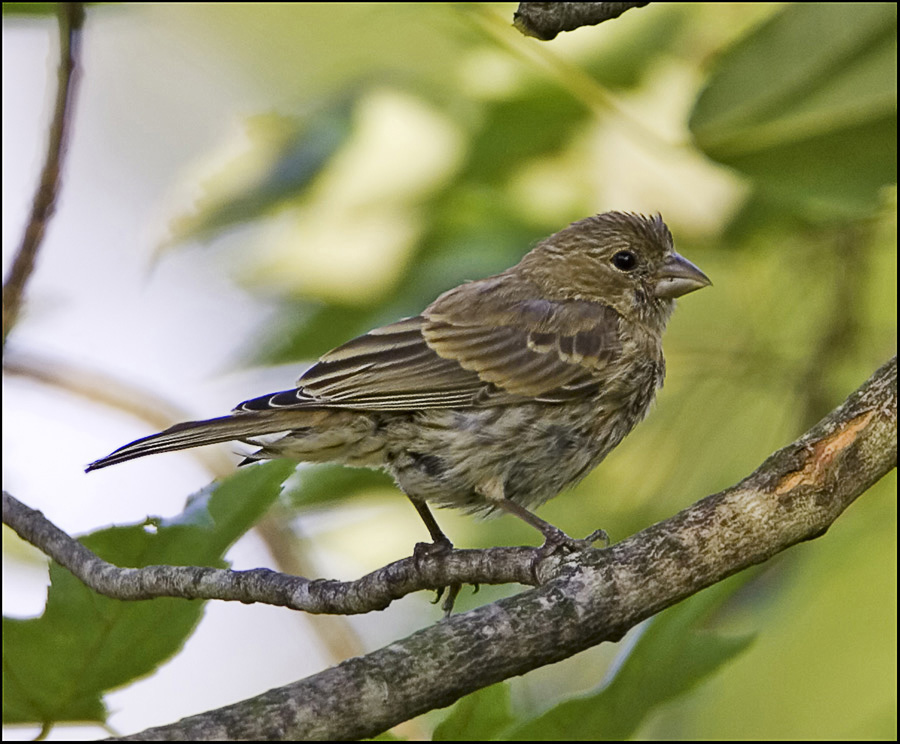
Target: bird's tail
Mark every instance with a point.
(197, 433)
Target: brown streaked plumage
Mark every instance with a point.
(502, 393)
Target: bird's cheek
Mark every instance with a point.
(641, 296)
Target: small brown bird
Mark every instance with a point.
(502, 393)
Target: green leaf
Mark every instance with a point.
(480, 716)
(673, 654)
(58, 666)
(807, 106)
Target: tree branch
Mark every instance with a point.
(545, 21)
(71, 20)
(588, 598)
(320, 596)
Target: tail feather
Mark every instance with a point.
(197, 433)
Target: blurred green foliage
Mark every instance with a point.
(815, 80)
(287, 153)
(787, 119)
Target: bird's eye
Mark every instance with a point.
(624, 261)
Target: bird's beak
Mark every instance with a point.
(678, 276)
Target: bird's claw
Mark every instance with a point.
(557, 541)
(436, 549)
(452, 593)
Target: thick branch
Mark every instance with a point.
(795, 495)
(71, 19)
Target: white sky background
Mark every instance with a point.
(149, 107)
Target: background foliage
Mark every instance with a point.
(384, 153)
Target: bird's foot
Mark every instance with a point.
(438, 549)
(555, 541)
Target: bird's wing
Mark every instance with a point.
(547, 350)
(443, 362)
(388, 368)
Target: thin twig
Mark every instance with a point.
(71, 20)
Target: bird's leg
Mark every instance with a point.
(554, 538)
(440, 545)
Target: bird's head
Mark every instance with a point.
(624, 260)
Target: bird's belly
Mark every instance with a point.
(536, 450)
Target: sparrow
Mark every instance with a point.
(503, 392)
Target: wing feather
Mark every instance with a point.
(549, 351)
(547, 347)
